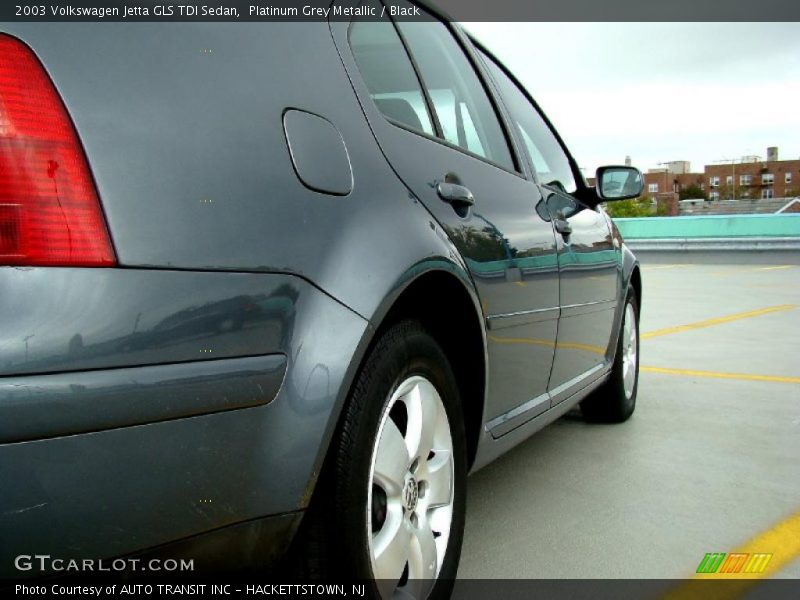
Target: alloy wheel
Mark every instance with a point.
(410, 496)
(630, 350)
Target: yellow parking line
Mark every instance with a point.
(717, 375)
(529, 341)
(717, 320)
(782, 540)
(736, 270)
(549, 343)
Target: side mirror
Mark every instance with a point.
(618, 183)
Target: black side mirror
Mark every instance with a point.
(618, 183)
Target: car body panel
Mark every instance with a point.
(191, 161)
(121, 489)
(43, 406)
(589, 277)
(508, 248)
(232, 259)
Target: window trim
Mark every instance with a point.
(439, 137)
(438, 126)
(432, 116)
(583, 187)
(444, 142)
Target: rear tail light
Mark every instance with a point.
(49, 210)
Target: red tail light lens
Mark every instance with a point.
(49, 210)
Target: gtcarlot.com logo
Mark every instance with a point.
(46, 563)
(736, 562)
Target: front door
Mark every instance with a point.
(589, 268)
(587, 260)
(440, 130)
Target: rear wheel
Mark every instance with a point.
(390, 506)
(615, 400)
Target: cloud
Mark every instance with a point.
(659, 91)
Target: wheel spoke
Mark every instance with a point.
(629, 356)
(439, 480)
(391, 547)
(422, 404)
(422, 561)
(391, 459)
(414, 534)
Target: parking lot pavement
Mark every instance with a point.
(710, 461)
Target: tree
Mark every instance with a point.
(725, 192)
(692, 192)
(638, 207)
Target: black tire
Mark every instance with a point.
(610, 403)
(334, 533)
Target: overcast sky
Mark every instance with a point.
(659, 91)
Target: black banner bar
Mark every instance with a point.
(460, 10)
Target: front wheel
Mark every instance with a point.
(392, 501)
(615, 400)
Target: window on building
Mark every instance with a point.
(744, 179)
(713, 181)
(787, 178)
(767, 179)
(713, 196)
(729, 180)
(768, 193)
(652, 188)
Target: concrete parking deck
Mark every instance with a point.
(710, 461)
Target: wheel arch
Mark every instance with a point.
(635, 281)
(442, 298)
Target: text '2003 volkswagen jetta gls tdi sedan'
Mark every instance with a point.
(287, 294)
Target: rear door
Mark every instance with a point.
(439, 128)
(588, 260)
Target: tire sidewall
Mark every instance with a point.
(628, 404)
(411, 351)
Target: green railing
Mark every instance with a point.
(710, 226)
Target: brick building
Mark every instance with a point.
(753, 179)
(750, 177)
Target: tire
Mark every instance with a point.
(380, 502)
(615, 400)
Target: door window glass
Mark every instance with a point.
(466, 114)
(550, 162)
(388, 74)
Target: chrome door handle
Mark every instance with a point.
(455, 194)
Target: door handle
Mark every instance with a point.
(562, 226)
(457, 195)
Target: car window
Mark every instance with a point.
(464, 111)
(550, 162)
(389, 75)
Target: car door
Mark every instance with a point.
(440, 130)
(588, 259)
